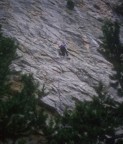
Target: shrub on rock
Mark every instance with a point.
(70, 4)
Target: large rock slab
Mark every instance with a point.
(38, 26)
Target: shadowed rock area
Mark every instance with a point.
(39, 25)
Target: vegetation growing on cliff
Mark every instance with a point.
(119, 7)
(113, 51)
(7, 53)
(20, 114)
(70, 4)
(90, 122)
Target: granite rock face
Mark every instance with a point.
(38, 26)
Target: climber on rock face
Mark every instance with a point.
(63, 51)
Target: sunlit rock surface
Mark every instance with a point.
(38, 26)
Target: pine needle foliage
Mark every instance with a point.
(70, 4)
(119, 7)
(90, 122)
(112, 49)
(20, 114)
(7, 53)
